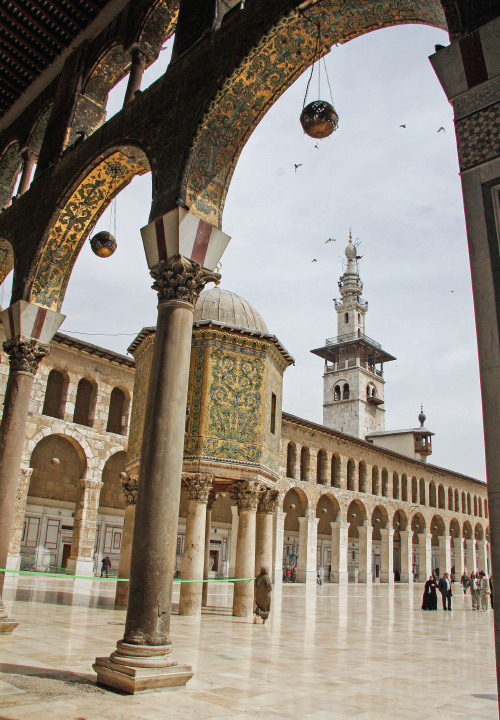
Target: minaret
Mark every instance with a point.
(353, 381)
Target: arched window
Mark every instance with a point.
(395, 486)
(52, 405)
(414, 491)
(345, 393)
(304, 463)
(375, 481)
(83, 404)
(337, 395)
(371, 391)
(469, 507)
(475, 505)
(404, 488)
(422, 491)
(335, 478)
(457, 502)
(464, 504)
(480, 507)
(362, 476)
(346, 318)
(321, 467)
(116, 411)
(441, 497)
(359, 318)
(351, 475)
(385, 483)
(432, 494)
(450, 499)
(291, 459)
(486, 509)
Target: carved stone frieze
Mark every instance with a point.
(247, 494)
(198, 487)
(477, 98)
(25, 354)
(268, 501)
(129, 487)
(180, 279)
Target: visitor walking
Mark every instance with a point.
(288, 573)
(106, 566)
(485, 591)
(452, 575)
(475, 589)
(465, 582)
(444, 588)
(293, 574)
(262, 595)
(430, 601)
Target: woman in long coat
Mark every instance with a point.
(262, 595)
(430, 601)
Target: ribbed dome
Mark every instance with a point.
(227, 307)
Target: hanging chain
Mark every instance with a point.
(328, 80)
(316, 53)
(114, 228)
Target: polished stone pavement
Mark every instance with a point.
(324, 654)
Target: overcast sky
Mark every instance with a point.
(398, 188)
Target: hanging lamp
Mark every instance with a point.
(104, 244)
(319, 118)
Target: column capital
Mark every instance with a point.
(198, 486)
(406, 533)
(247, 494)
(339, 524)
(129, 488)
(212, 497)
(139, 57)
(268, 501)
(25, 354)
(29, 155)
(387, 532)
(180, 279)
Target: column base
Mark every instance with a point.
(76, 566)
(7, 624)
(387, 578)
(121, 596)
(365, 578)
(136, 668)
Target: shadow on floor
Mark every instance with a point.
(486, 697)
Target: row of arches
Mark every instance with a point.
(380, 482)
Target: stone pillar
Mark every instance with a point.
(234, 540)
(198, 487)
(444, 554)
(470, 546)
(482, 556)
(81, 559)
(29, 160)
(129, 487)
(339, 573)
(212, 497)
(387, 556)
(406, 541)
(308, 548)
(424, 556)
(279, 534)
(143, 659)
(14, 559)
(264, 531)
(365, 554)
(247, 495)
(25, 354)
(136, 72)
(458, 545)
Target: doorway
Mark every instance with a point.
(65, 555)
(214, 561)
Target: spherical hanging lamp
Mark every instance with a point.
(103, 244)
(319, 119)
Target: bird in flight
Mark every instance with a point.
(441, 128)
(297, 166)
(403, 126)
(317, 146)
(330, 240)
(314, 260)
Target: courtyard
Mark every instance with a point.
(326, 652)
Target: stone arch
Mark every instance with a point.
(379, 521)
(362, 477)
(335, 470)
(111, 492)
(399, 523)
(295, 504)
(157, 25)
(56, 392)
(328, 511)
(304, 463)
(385, 482)
(478, 532)
(38, 132)
(118, 410)
(441, 497)
(414, 491)
(291, 460)
(73, 435)
(107, 455)
(351, 475)
(110, 66)
(276, 61)
(85, 402)
(475, 506)
(486, 508)
(480, 507)
(395, 486)
(467, 530)
(6, 259)
(404, 487)
(437, 528)
(58, 462)
(464, 504)
(455, 528)
(85, 201)
(469, 505)
(375, 481)
(418, 525)
(421, 494)
(450, 499)
(457, 501)
(432, 494)
(321, 463)
(10, 165)
(356, 516)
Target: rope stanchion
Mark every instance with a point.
(114, 579)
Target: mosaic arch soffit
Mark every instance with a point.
(6, 259)
(268, 70)
(76, 220)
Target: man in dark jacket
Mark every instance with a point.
(444, 588)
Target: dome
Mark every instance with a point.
(228, 308)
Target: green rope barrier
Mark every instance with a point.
(115, 579)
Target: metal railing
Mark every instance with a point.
(352, 336)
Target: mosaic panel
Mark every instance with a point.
(6, 259)
(478, 137)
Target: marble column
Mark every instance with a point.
(481, 555)
(198, 488)
(247, 495)
(406, 541)
(444, 554)
(129, 487)
(308, 548)
(365, 554)
(470, 546)
(264, 531)
(29, 160)
(458, 545)
(25, 354)
(81, 559)
(234, 540)
(14, 559)
(340, 537)
(387, 556)
(212, 497)
(144, 659)
(139, 60)
(278, 542)
(424, 556)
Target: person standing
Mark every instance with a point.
(262, 595)
(485, 591)
(475, 589)
(444, 588)
(106, 566)
(288, 573)
(465, 582)
(429, 600)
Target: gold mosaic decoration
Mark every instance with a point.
(277, 61)
(76, 220)
(6, 259)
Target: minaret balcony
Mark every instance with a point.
(349, 337)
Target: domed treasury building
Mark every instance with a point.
(346, 499)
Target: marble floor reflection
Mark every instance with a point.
(325, 654)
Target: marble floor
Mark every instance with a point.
(324, 654)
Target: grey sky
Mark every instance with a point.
(398, 188)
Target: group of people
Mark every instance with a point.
(479, 584)
(290, 574)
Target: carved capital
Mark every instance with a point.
(268, 501)
(212, 497)
(129, 488)
(247, 494)
(25, 354)
(86, 484)
(180, 279)
(198, 486)
(139, 57)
